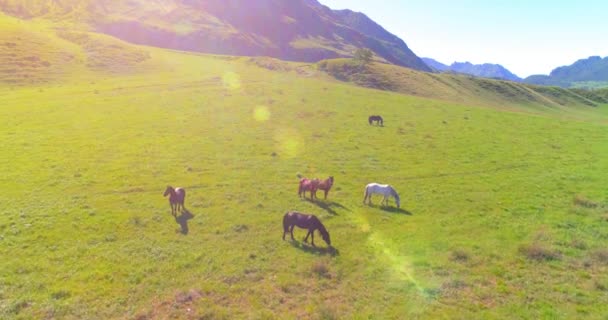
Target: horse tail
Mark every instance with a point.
(301, 186)
(286, 222)
(299, 175)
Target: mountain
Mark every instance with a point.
(590, 72)
(486, 70)
(298, 30)
(436, 65)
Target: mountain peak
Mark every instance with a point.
(589, 72)
(486, 70)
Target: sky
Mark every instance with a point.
(525, 36)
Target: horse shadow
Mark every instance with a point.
(327, 206)
(182, 220)
(322, 251)
(392, 209)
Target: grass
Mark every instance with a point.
(86, 233)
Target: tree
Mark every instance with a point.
(363, 56)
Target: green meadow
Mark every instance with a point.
(504, 205)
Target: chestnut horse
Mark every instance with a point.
(324, 185)
(305, 221)
(176, 199)
(378, 119)
(307, 185)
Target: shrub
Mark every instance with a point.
(538, 252)
(582, 201)
(321, 269)
(460, 255)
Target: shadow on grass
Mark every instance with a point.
(182, 220)
(328, 206)
(391, 209)
(323, 251)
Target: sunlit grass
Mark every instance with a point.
(86, 233)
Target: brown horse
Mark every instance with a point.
(307, 185)
(304, 221)
(176, 199)
(324, 185)
(378, 119)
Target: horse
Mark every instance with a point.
(176, 199)
(378, 119)
(307, 185)
(291, 219)
(324, 185)
(383, 189)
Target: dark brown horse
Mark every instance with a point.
(307, 185)
(324, 185)
(378, 119)
(176, 199)
(304, 221)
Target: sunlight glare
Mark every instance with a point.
(288, 142)
(261, 113)
(231, 80)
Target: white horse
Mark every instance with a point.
(383, 189)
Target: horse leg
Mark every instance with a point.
(291, 231)
(312, 240)
(326, 191)
(306, 238)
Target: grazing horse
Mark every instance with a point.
(307, 185)
(324, 185)
(304, 221)
(378, 119)
(383, 189)
(176, 198)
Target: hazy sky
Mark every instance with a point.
(526, 36)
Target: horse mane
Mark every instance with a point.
(394, 193)
(322, 229)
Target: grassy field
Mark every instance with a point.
(504, 208)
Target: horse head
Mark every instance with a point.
(397, 200)
(325, 236)
(168, 191)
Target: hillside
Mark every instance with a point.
(299, 30)
(460, 88)
(36, 53)
(503, 214)
(486, 70)
(586, 73)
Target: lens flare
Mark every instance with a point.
(231, 80)
(261, 113)
(288, 142)
(399, 264)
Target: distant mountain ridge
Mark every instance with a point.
(486, 70)
(590, 72)
(299, 30)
